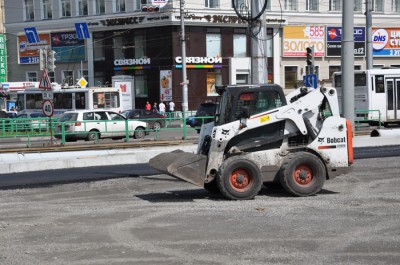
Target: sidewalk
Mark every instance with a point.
(20, 162)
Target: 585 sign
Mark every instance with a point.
(297, 38)
(48, 108)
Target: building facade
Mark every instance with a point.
(142, 39)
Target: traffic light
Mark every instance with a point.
(310, 55)
(42, 58)
(51, 58)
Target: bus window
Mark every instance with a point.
(338, 80)
(80, 100)
(34, 101)
(360, 79)
(20, 102)
(62, 101)
(112, 100)
(98, 100)
(380, 84)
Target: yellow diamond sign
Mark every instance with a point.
(82, 82)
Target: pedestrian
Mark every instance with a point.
(155, 109)
(148, 106)
(171, 108)
(161, 106)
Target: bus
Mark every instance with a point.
(376, 95)
(64, 99)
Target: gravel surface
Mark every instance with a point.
(160, 220)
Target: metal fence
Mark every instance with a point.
(35, 128)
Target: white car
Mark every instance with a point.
(91, 125)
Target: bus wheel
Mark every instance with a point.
(93, 135)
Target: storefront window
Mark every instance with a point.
(140, 47)
(239, 45)
(118, 47)
(214, 78)
(98, 50)
(141, 89)
(213, 44)
(290, 76)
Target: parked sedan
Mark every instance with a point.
(95, 124)
(155, 120)
(32, 121)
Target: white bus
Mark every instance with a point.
(64, 99)
(376, 92)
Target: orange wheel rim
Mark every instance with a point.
(240, 180)
(303, 175)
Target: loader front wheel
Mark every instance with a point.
(302, 174)
(239, 179)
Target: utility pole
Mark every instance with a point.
(184, 76)
(368, 23)
(259, 63)
(348, 59)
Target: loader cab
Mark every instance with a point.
(249, 100)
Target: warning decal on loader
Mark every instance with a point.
(264, 118)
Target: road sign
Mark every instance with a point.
(82, 31)
(31, 35)
(48, 108)
(82, 82)
(45, 80)
(48, 95)
(310, 81)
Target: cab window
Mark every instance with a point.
(258, 102)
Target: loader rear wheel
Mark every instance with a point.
(239, 179)
(302, 174)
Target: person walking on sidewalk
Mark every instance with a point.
(161, 107)
(148, 106)
(155, 109)
(171, 108)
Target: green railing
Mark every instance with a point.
(365, 117)
(35, 128)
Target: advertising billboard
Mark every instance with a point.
(68, 47)
(386, 42)
(29, 53)
(334, 41)
(297, 38)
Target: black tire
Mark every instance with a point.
(93, 136)
(139, 133)
(157, 126)
(239, 179)
(212, 187)
(302, 174)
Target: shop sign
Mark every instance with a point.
(29, 53)
(3, 59)
(297, 38)
(68, 47)
(386, 42)
(200, 60)
(165, 85)
(220, 19)
(138, 61)
(334, 41)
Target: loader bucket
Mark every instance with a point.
(182, 165)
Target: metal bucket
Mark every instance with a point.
(182, 165)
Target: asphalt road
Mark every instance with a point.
(160, 220)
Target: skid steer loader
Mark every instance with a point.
(260, 135)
